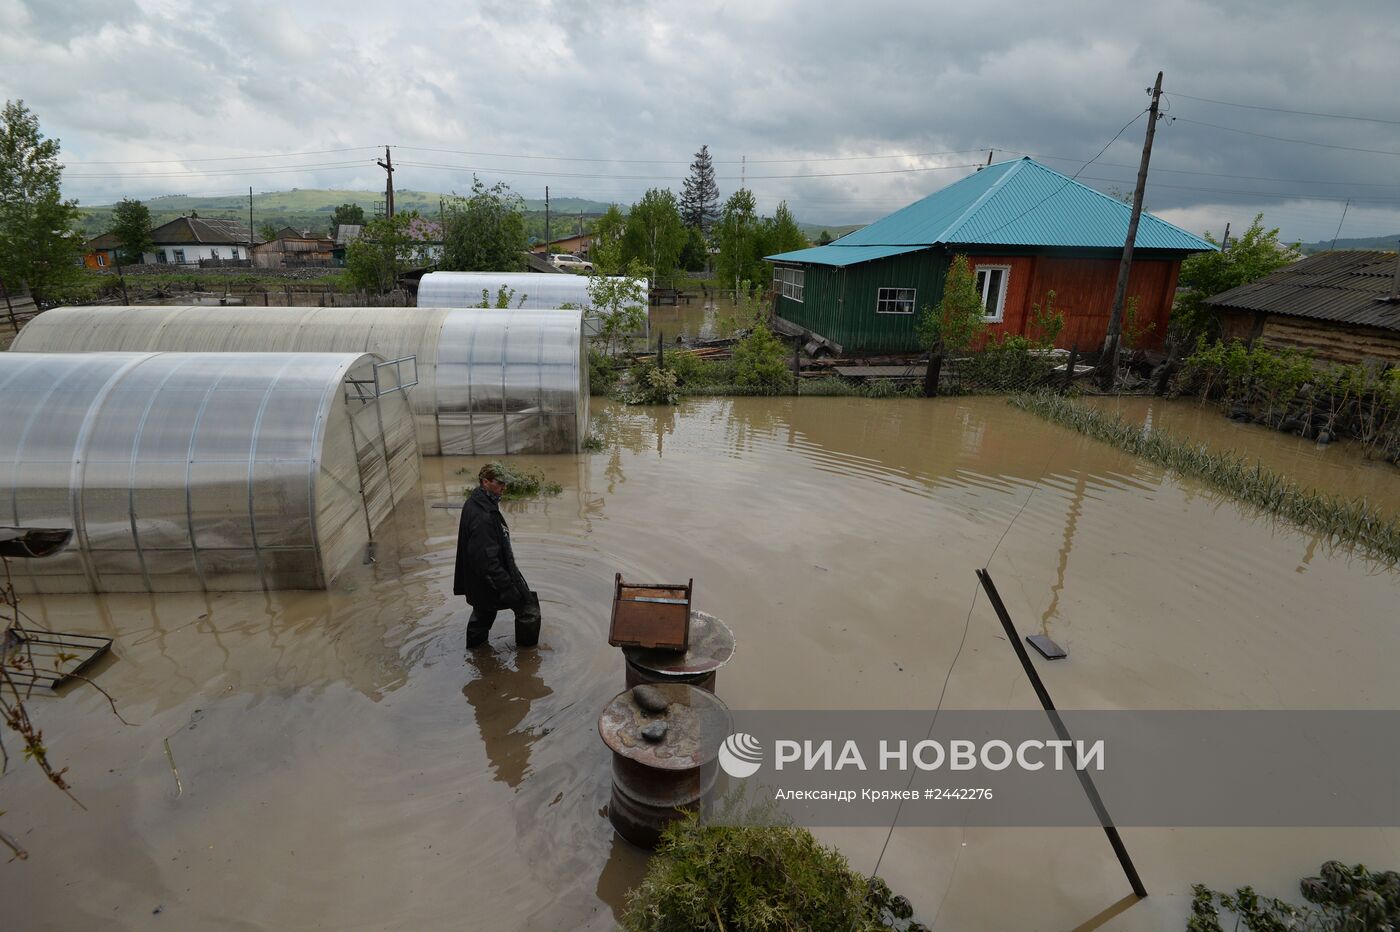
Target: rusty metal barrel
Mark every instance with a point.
(665, 742)
(711, 647)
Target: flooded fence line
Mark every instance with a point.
(1287, 391)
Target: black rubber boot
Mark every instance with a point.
(527, 621)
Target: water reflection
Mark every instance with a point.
(500, 696)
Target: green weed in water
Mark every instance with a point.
(1347, 521)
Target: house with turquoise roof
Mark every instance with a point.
(1026, 229)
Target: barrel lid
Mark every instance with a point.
(697, 722)
(711, 647)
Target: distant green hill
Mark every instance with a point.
(307, 207)
(312, 208)
(1385, 243)
(813, 231)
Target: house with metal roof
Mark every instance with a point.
(101, 251)
(188, 240)
(1344, 307)
(1026, 229)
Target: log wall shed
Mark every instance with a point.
(1026, 230)
(1338, 305)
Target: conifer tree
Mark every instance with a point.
(700, 194)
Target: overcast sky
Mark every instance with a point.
(846, 111)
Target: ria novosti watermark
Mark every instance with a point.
(1169, 768)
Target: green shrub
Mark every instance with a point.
(761, 361)
(1344, 898)
(752, 878)
(651, 386)
(959, 318)
(694, 372)
(602, 372)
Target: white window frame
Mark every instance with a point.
(177, 256)
(790, 282)
(982, 288)
(887, 300)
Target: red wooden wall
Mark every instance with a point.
(1084, 295)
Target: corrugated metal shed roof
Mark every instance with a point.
(209, 230)
(1021, 203)
(841, 254)
(1343, 287)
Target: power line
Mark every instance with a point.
(1314, 113)
(1301, 142)
(559, 174)
(1284, 194)
(234, 172)
(572, 158)
(226, 158)
(1185, 171)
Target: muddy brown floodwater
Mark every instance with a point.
(343, 765)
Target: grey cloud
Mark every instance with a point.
(769, 80)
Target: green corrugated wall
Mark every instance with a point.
(839, 303)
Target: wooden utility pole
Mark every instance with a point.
(547, 240)
(250, 223)
(1108, 363)
(1225, 240)
(388, 166)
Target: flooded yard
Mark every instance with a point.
(343, 764)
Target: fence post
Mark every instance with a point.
(1069, 367)
(934, 370)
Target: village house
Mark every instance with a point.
(1026, 230)
(1341, 306)
(188, 240)
(293, 248)
(577, 245)
(101, 251)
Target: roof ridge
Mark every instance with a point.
(946, 234)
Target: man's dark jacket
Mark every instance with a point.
(486, 570)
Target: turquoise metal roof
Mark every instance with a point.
(841, 254)
(1018, 203)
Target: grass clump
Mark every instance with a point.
(1343, 899)
(1349, 521)
(651, 386)
(755, 878)
(521, 482)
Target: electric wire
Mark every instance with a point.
(1313, 113)
(224, 158)
(967, 626)
(575, 158)
(558, 174)
(1301, 142)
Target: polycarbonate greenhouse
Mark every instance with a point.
(490, 381)
(190, 471)
(532, 290)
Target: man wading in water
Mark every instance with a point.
(486, 571)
